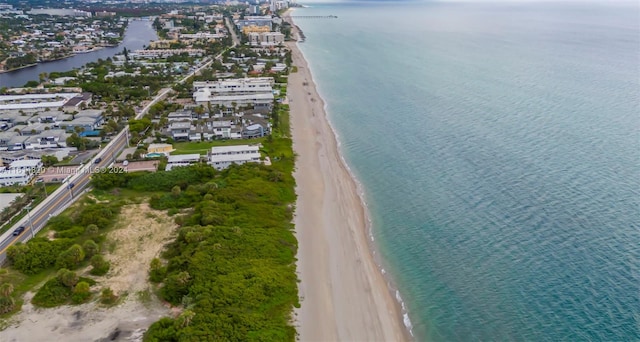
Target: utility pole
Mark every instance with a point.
(30, 221)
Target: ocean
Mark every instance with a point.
(498, 147)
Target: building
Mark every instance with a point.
(257, 21)
(86, 120)
(35, 101)
(256, 92)
(162, 53)
(31, 166)
(266, 38)
(53, 138)
(160, 148)
(179, 130)
(221, 157)
(14, 177)
(254, 131)
(182, 160)
(255, 29)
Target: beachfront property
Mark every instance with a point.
(255, 92)
(221, 157)
(181, 160)
(266, 38)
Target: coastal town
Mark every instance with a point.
(144, 186)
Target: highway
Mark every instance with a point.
(64, 196)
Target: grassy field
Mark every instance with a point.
(203, 147)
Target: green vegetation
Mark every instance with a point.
(66, 287)
(79, 233)
(202, 147)
(232, 264)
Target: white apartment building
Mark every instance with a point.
(35, 101)
(221, 157)
(14, 177)
(257, 92)
(181, 160)
(237, 85)
(266, 38)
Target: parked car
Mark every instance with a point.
(125, 163)
(18, 231)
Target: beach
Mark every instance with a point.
(344, 295)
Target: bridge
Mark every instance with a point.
(315, 16)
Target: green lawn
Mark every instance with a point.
(203, 147)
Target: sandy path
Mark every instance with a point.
(142, 234)
(344, 295)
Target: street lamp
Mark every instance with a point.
(44, 186)
(30, 221)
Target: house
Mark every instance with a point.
(179, 130)
(160, 149)
(221, 157)
(254, 131)
(182, 160)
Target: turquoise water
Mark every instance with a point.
(498, 146)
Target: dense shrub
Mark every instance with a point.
(54, 292)
(99, 265)
(71, 258)
(70, 233)
(37, 254)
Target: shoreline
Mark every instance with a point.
(340, 274)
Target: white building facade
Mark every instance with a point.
(222, 157)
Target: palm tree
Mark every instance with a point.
(186, 317)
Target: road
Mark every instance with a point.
(64, 196)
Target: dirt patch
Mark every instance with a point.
(142, 234)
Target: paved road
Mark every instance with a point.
(64, 196)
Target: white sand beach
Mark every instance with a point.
(344, 296)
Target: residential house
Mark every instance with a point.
(179, 130)
(255, 130)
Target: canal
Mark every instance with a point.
(138, 34)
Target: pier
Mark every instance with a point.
(315, 16)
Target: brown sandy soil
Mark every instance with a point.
(141, 236)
